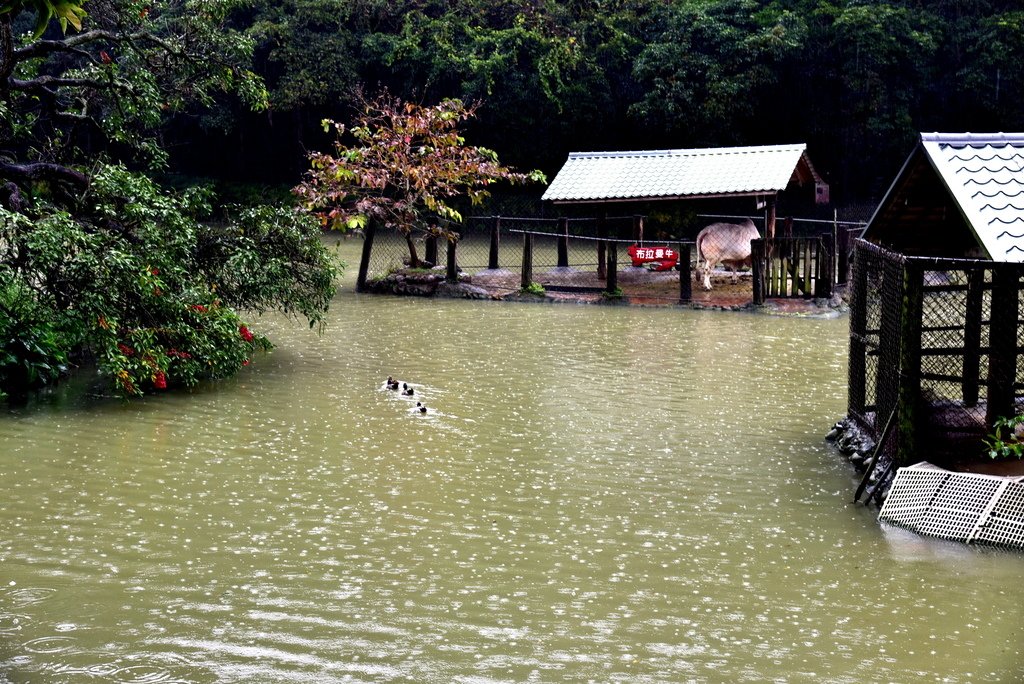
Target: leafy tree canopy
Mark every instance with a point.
(404, 168)
(96, 259)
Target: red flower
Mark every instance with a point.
(244, 332)
(199, 307)
(179, 354)
(246, 362)
(154, 271)
(159, 380)
(125, 349)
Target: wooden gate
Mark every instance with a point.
(793, 267)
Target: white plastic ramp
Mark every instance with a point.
(967, 507)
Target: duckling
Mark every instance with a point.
(423, 408)
(409, 392)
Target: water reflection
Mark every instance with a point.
(597, 494)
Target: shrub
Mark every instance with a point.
(1004, 441)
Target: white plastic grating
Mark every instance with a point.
(961, 506)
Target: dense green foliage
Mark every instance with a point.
(855, 79)
(97, 260)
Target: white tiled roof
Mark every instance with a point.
(985, 175)
(664, 174)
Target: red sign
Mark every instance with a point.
(664, 257)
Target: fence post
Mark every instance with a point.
(908, 397)
(527, 278)
(972, 336)
(602, 247)
(430, 250)
(638, 229)
(492, 258)
(807, 288)
(364, 259)
(769, 219)
(843, 251)
(1002, 341)
(826, 266)
(857, 371)
(563, 242)
(757, 264)
(685, 284)
(452, 272)
(612, 281)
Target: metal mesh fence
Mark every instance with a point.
(572, 253)
(865, 334)
(938, 342)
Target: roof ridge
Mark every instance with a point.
(974, 139)
(690, 151)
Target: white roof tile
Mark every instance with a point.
(659, 174)
(985, 175)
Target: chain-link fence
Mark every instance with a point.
(935, 344)
(618, 256)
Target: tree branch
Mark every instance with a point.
(41, 171)
(48, 82)
(6, 50)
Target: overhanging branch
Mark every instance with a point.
(43, 171)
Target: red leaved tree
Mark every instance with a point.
(405, 167)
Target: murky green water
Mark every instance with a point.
(596, 494)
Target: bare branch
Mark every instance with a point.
(43, 171)
(50, 82)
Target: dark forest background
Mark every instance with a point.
(856, 80)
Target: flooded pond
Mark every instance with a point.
(596, 494)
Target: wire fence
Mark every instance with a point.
(936, 344)
(614, 256)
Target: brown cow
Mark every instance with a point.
(727, 244)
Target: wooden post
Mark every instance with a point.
(430, 250)
(909, 403)
(769, 221)
(757, 262)
(842, 255)
(784, 269)
(826, 266)
(638, 229)
(972, 337)
(612, 281)
(685, 282)
(1002, 342)
(563, 242)
(527, 278)
(602, 247)
(452, 271)
(492, 258)
(364, 259)
(857, 369)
